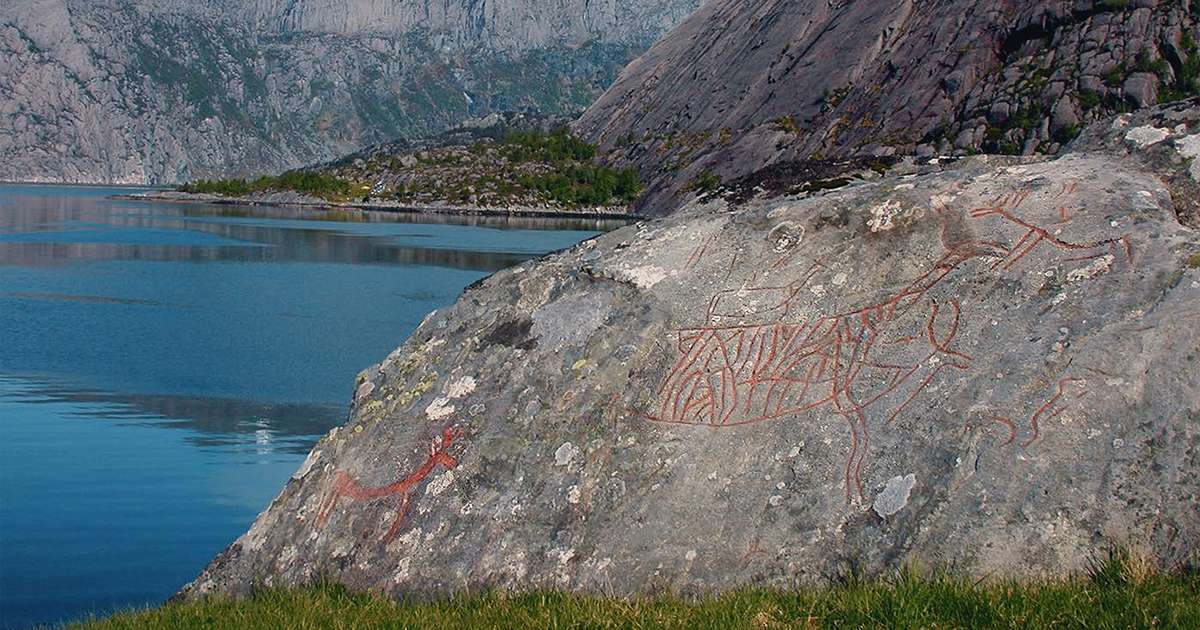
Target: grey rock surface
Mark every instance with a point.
(161, 91)
(504, 26)
(992, 366)
(741, 84)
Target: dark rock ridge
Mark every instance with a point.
(991, 366)
(742, 83)
(162, 91)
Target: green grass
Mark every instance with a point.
(1117, 593)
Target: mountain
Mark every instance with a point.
(157, 91)
(498, 25)
(742, 84)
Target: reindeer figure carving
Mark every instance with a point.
(347, 487)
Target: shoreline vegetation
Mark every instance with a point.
(495, 170)
(1118, 591)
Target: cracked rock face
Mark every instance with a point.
(992, 368)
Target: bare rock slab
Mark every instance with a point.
(993, 368)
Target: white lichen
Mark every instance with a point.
(439, 483)
(309, 461)
(894, 495)
(461, 387)
(1189, 148)
(1146, 136)
(1097, 267)
(439, 408)
(564, 454)
(402, 571)
(882, 216)
(644, 277)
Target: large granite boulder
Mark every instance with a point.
(992, 367)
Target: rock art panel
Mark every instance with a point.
(989, 367)
(755, 358)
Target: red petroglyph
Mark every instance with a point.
(1012, 428)
(759, 301)
(1067, 189)
(1048, 409)
(747, 363)
(729, 376)
(1006, 207)
(1101, 372)
(732, 262)
(754, 548)
(1033, 422)
(698, 253)
(347, 487)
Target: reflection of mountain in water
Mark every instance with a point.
(358, 215)
(218, 422)
(350, 250)
(57, 229)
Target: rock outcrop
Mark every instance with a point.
(744, 83)
(162, 91)
(991, 366)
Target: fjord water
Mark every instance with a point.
(165, 367)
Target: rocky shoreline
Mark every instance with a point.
(299, 201)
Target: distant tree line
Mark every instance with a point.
(306, 182)
(553, 167)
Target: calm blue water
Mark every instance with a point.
(165, 367)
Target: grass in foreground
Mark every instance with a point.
(1114, 595)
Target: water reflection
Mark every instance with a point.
(48, 230)
(165, 367)
(320, 247)
(211, 422)
(356, 215)
(103, 509)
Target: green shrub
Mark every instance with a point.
(306, 182)
(704, 182)
(1089, 100)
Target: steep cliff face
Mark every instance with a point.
(502, 25)
(161, 91)
(743, 83)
